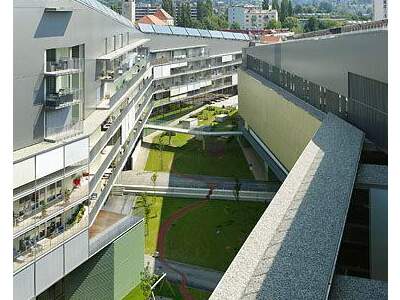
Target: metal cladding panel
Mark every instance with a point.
(146, 28)
(204, 33)
(193, 32)
(76, 251)
(178, 30)
(76, 152)
(49, 162)
(24, 172)
(49, 269)
(228, 35)
(157, 72)
(162, 29)
(24, 284)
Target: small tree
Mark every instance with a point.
(146, 281)
(235, 25)
(160, 146)
(265, 4)
(236, 190)
(153, 179)
(143, 201)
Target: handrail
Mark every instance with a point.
(95, 179)
(117, 122)
(59, 133)
(135, 134)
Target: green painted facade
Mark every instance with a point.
(284, 127)
(109, 275)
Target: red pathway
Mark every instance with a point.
(166, 226)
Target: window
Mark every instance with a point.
(115, 42)
(105, 46)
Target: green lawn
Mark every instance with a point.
(173, 114)
(185, 155)
(209, 236)
(167, 289)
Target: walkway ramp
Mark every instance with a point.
(291, 252)
(192, 131)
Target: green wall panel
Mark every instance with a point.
(112, 272)
(284, 127)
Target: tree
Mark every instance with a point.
(235, 25)
(146, 281)
(209, 8)
(326, 24)
(168, 6)
(265, 4)
(153, 179)
(273, 24)
(236, 190)
(291, 23)
(290, 9)
(298, 9)
(201, 10)
(312, 24)
(143, 201)
(325, 7)
(160, 145)
(275, 5)
(184, 15)
(283, 13)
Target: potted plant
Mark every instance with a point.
(67, 195)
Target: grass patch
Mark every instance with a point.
(171, 290)
(209, 236)
(135, 294)
(185, 155)
(173, 114)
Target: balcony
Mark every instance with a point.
(107, 227)
(120, 161)
(64, 66)
(33, 210)
(40, 240)
(55, 134)
(63, 98)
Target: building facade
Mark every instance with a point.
(128, 10)
(80, 106)
(251, 17)
(380, 10)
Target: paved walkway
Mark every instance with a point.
(198, 277)
(253, 159)
(194, 131)
(165, 179)
(141, 160)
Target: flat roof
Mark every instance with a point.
(350, 287)
(113, 55)
(291, 252)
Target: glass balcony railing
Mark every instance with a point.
(62, 98)
(66, 192)
(63, 65)
(120, 160)
(63, 132)
(49, 235)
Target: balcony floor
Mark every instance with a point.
(103, 220)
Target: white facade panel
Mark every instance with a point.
(183, 89)
(235, 78)
(76, 251)
(226, 58)
(49, 162)
(157, 72)
(76, 152)
(24, 172)
(24, 284)
(166, 71)
(174, 91)
(49, 269)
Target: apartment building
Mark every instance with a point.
(81, 98)
(251, 17)
(380, 10)
(315, 109)
(150, 9)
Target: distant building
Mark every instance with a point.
(148, 9)
(151, 19)
(251, 17)
(128, 9)
(164, 16)
(380, 10)
(160, 17)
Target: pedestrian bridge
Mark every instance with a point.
(192, 131)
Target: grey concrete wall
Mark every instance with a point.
(36, 31)
(327, 60)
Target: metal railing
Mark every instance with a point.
(126, 86)
(104, 165)
(63, 132)
(110, 233)
(342, 29)
(120, 161)
(164, 60)
(65, 63)
(62, 97)
(117, 122)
